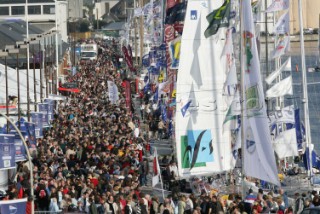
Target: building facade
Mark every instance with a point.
(41, 13)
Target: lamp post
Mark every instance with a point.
(28, 60)
(5, 54)
(57, 47)
(29, 159)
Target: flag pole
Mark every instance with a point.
(242, 98)
(158, 166)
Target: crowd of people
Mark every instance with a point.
(94, 157)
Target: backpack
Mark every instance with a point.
(100, 209)
(42, 193)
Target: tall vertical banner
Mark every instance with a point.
(202, 146)
(51, 106)
(127, 89)
(128, 59)
(16, 206)
(7, 151)
(36, 118)
(44, 108)
(31, 132)
(259, 159)
(113, 92)
(20, 154)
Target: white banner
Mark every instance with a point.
(282, 26)
(284, 87)
(275, 74)
(113, 92)
(278, 5)
(285, 145)
(282, 47)
(259, 160)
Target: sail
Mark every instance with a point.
(259, 159)
(202, 147)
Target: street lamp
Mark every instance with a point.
(5, 54)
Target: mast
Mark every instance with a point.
(305, 89)
(242, 98)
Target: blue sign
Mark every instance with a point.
(36, 118)
(193, 15)
(31, 132)
(7, 151)
(14, 206)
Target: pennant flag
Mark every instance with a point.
(284, 87)
(231, 120)
(275, 74)
(282, 26)
(259, 160)
(285, 144)
(218, 18)
(156, 169)
(184, 107)
(14, 206)
(282, 47)
(278, 5)
(176, 13)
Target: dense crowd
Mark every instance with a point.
(94, 157)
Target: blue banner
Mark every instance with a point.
(16, 206)
(31, 132)
(7, 151)
(36, 118)
(298, 128)
(51, 107)
(22, 127)
(20, 149)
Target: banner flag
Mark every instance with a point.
(275, 74)
(282, 47)
(258, 146)
(176, 13)
(299, 134)
(174, 50)
(285, 145)
(218, 18)
(113, 92)
(51, 107)
(282, 26)
(278, 5)
(7, 151)
(156, 169)
(20, 154)
(36, 118)
(15, 206)
(284, 87)
(31, 132)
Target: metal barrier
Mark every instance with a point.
(48, 212)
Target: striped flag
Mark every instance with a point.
(156, 169)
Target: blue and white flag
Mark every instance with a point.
(15, 206)
(36, 118)
(299, 134)
(184, 107)
(31, 132)
(164, 112)
(7, 151)
(20, 154)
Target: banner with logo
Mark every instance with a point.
(7, 151)
(15, 206)
(51, 106)
(127, 93)
(20, 154)
(43, 108)
(31, 132)
(36, 118)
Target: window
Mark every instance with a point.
(48, 9)
(4, 11)
(17, 10)
(34, 9)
